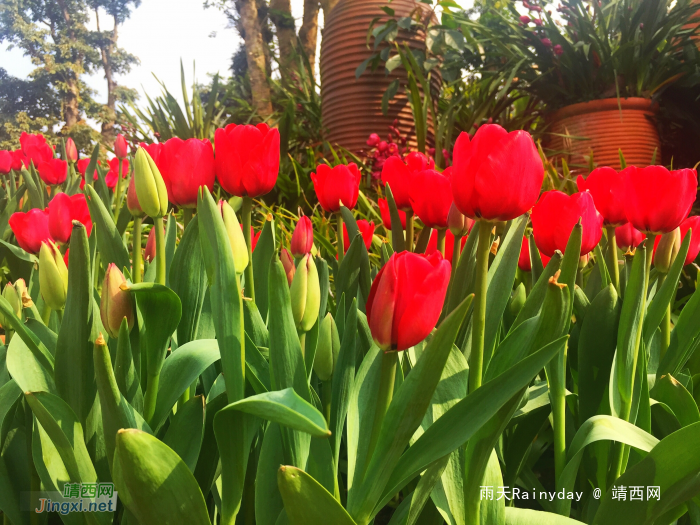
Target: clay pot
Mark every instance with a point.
(352, 108)
(600, 127)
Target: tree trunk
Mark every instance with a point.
(255, 56)
(281, 16)
(110, 117)
(71, 98)
(308, 33)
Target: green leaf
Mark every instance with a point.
(412, 505)
(154, 483)
(533, 303)
(109, 242)
(27, 370)
(186, 431)
(75, 373)
(286, 408)
(225, 294)
(397, 237)
(257, 369)
(516, 516)
(669, 391)
(262, 257)
(684, 338)
(188, 280)
(32, 343)
(179, 371)
(404, 416)
(125, 369)
(268, 500)
(307, 502)
(208, 460)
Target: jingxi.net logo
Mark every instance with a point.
(77, 497)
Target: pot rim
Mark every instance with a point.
(606, 104)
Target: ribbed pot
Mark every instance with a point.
(352, 108)
(600, 127)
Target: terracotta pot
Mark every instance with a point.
(352, 108)
(601, 128)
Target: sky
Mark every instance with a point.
(160, 33)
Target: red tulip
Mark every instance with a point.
(19, 159)
(31, 229)
(628, 237)
(366, 230)
(399, 175)
(53, 171)
(154, 150)
(65, 257)
(691, 223)
(253, 238)
(336, 186)
(5, 162)
(121, 149)
(288, 264)
(556, 214)
(431, 198)
(449, 244)
(456, 222)
(63, 210)
(82, 166)
(498, 175)
(132, 200)
(35, 148)
(406, 299)
(303, 237)
(187, 166)
(600, 183)
(71, 151)
(657, 200)
(386, 216)
(247, 159)
(112, 174)
(149, 252)
(524, 262)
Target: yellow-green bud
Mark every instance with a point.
(11, 296)
(305, 294)
(115, 303)
(235, 236)
(53, 276)
(150, 187)
(327, 348)
(666, 250)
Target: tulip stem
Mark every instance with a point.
(339, 233)
(665, 323)
(384, 396)
(137, 262)
(612, 259)
(476, 358)
(247, 211)
(409, 230)
(149, 400)
(160, 251)
(187, 214)
(46, 314)
(118, 193)
(441, 240)
(457, 248)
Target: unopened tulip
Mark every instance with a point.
(431, 198)
(303, 237)
(149, 253)
(53, 171)
(63, 210)
(71, 150)
(600, 183)
(498, 175)
(5, 162)
(693, 224)
(386, 215)
(150, 188)
(327, 348)
(11, 296)
(188, 165)
(247, 159)
(112, 177)
(31, 229)
(524, 262)
(337, 186)
(458, 223)
(657, 200)
(366, 230)
(556, 214)
(115, 303)
(235, 236)
(305, 294)
(121, 149)
(53, 276)
(399, 175)
(35, 148)
(666, 248)
(406, 299)
(288, 264)
(628, 237)
(132, 201)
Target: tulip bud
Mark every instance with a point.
(121, 150)
(150, 187)
(305, 294)
(327, 348)
(458, 224)
(235, 236)
(23, 293)
(53, 276)
(666, 249)
(71, 151)
(132, 201)
(288, 263)
(303, 237)
(116, 303)
(11, 296)
(149, 252)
